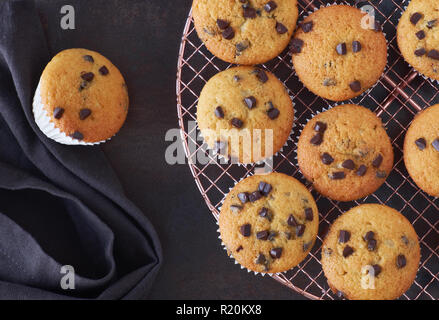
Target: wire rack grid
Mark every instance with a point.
(398, 96)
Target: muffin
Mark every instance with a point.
(345, 152)
(269, 222)
(417, 35)
(245, 32)
(371, 252)
(245, 113)
(335, 55)
(421, 150)
(81, 99)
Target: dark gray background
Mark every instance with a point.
(142, 38)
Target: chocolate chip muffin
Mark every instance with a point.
(345, 152)
(245, 113)
(245, 32)
(417, 35)
(81, 99)
(371, 253)
(269, 223)
(335, 53)
(421, 150)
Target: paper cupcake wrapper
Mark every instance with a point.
(226, 158)
(46, 125)
(434, 81)
(230, 254)
(368, 90)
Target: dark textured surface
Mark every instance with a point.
(142, 38)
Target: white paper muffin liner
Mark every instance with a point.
(434, 81)
(229, 252)
(365, 92)
(46, 125)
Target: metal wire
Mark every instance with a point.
(397, 97)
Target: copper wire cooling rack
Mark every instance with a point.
(398, 96)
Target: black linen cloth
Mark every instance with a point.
(59, 205)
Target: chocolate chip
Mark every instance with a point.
(371, 244)
(228, 33)
(88, 76)
(270, 6)
(262, 235)
(300, 229)
(381, 174)
(377, 161)
(355, 86)
(280, 28)
(254, 196)
(320, 127)
(415, 17)
(261, 75)
(307, 26)
(239, 248)
(249, 13)
(88, 58)
(317, 139)
(273, 113)
(272, 235)
(296, 46)
(433, 54)
(83, 85)
(401, 261)
(241, 46)
(405, 240)
(421, 143)
(369, 235)
(84, 113)
(250, 102)
(243, 196)
(347, 251)
(264, 188)
(435, 144)
(222, 24)
(306, 246)
(329, 82)
(276, 253)
(356, 46)
(361, 170)
(376, 270)
(264, 213)
(236, 78)
(420, 52)
(341, 49)
(103, 71)
(309, 214)
(339, 175)
(77, 135)
(261, 259)
(58, 112)
(420, 34)
(246, 230)
(291, 221)
(327, 159)
(431, 24)
(344, 236)
(219, 112)
(235, 208)
(237, 123)
(287, 235)
(348, 164)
